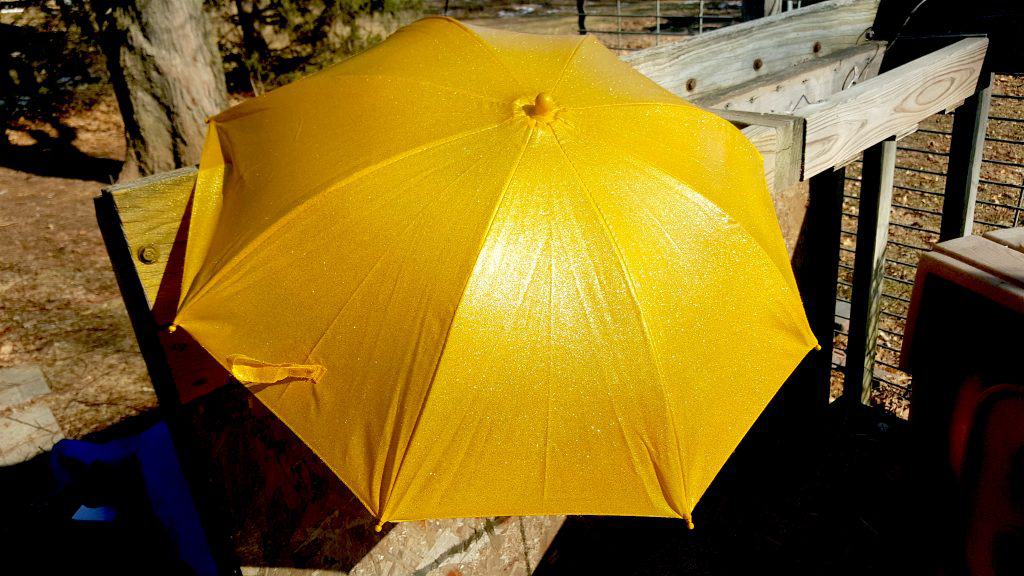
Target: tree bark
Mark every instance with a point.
(167, 76)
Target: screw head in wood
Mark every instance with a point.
(816, 47)
(691, 84)
(758, 63)
(149, 254)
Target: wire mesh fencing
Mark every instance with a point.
(626, 26)
(622, 25)
(918, 192)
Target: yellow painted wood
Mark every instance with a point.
(151, 212)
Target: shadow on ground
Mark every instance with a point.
(57, 156)
(37, 535)
(837, 504)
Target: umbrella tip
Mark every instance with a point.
(171, 328)
(378, 527)
(817, 347)
(543, 105)
(689, 523)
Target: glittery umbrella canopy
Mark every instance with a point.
(484, 273)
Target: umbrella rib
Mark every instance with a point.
(311, 199)
(711, 206)
(685, 105)
(258, 105)
(487, 47)
(385, 252)
(437, 365)
(568, 61)
(648, 338)
(420, 82)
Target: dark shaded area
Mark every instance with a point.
(41, 67)
(963, 348)
(57, 156)
(832, 503)
(916, 28)
(41, 72)
(38, 536)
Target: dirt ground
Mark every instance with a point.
(59, 303)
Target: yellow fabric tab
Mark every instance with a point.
(252, 371)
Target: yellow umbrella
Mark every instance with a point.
(485, 273)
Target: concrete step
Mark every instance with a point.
(27, 426)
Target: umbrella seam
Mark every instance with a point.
(487, 47)
(643, 320)
(690, 190)
(386, 251)
(424, 83)
(265, 102)
(303, 437)
(696, 198)
(568, 61)
(684, 105)
(551, 337)
(236, 260)
(426, 394)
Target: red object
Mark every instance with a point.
(992, 480)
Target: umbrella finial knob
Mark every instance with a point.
(543, 105)
(378, 527)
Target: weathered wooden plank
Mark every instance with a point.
(868, 269)
(779, 139)
(846, 124)
(966, 147)
(1010, 237)
(801, 85)
(139, 308)
(997, 259)
(739, 53)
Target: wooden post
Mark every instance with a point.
(807, 391)
(868, 269)
(965, 152)
(147, 334)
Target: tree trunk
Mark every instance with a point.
(167, 76)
